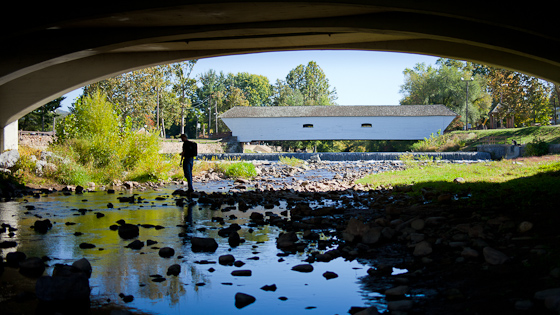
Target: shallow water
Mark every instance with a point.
(198, 289)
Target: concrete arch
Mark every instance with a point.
(50, 49)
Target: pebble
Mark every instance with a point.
(422, 249)
(493, 256)
(400, 306)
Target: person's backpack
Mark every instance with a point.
(192, 149)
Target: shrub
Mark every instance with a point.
(239, 170)
(100, 148)
(537, 147)
(292, 161)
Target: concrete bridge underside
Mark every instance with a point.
(51, 48)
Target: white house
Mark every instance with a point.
(404, 122)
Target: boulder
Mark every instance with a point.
(128, 231)
(136, 244)
(14, 258)
(66, 291)
(166, 252)
(303, 268)
(234, 239)
(32, 267)
(84, 266)
(9, 158)
(42, 226)
(330, 275)
(242, 273)
(226, 260)
(242, 300)
(174, 270)
(204, 244)
(287, 240)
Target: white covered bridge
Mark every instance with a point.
(404, 122)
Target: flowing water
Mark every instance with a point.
(203, 286)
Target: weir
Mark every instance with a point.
(347, 156)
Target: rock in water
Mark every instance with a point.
(202, 244)
(32, 267)
(242, 300)
(271, 287)
(287, 241)
(226, 260)
(303, 268)
(233, 239)
(174, 270)
(66, 291)
(330, 275)
(14, 258)
(83, 265)
(166, 252)
(128, 231)
(136, 244)
(42, 226)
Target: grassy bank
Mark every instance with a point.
(468, 140)
(520, 184)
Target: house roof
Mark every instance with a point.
(337, 111)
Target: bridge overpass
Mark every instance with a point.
(51, 48)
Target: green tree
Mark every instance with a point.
(312, 84)
(184, 86)
(256, 88)
(442, 84)
(524, 97)
(42, 118)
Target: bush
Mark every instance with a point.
(97, 147)
(239, 170)
(292, 161)
(537, 147)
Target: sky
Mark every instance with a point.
(360, 77)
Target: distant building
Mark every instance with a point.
(404, 122)
(500, 118)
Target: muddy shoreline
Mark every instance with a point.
(460, 258)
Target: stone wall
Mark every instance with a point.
(36, 141)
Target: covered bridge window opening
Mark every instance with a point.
(307, 125)
(366, 125)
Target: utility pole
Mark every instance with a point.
(209, 120)
(467, 103)
(216, 114)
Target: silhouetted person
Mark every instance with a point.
(190, 150)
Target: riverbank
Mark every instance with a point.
(461, 254)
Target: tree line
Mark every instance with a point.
(170, 99)
(527, 99)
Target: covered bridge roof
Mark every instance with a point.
(337, 111)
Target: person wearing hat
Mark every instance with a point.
(190, 150)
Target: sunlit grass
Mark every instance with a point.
(440, 175)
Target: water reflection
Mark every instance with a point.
(203, 286)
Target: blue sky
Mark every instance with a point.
(360, 77)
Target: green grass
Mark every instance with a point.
(292, 161)
(468, 140)
(534, 179)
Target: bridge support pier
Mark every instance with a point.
(9, 137)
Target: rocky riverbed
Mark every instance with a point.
(424, 253)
